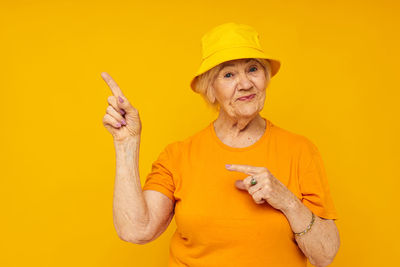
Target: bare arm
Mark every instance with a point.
(139, 216)
(130, 210)
(161, 212)
(322, 242)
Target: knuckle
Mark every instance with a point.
(112, 119)
(107, 118)
(111, 99)
(256, 198)
(110, 109)
(267, 190)
(252, 190)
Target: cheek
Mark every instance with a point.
(225, 94)
(262, 95)
(261, 81)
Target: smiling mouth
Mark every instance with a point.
(248, 97)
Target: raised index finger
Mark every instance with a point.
(250, 170)
(112, 84)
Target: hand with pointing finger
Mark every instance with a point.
(267, 187)
(122, 119)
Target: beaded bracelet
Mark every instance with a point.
(308, 227)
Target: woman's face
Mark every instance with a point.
(238, 78)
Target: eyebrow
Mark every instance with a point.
(231, 64)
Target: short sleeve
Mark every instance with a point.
(313, 182)
(161, 176)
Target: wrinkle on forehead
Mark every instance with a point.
(229, 63)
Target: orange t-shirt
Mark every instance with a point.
(221, 225)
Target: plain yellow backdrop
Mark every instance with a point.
(338, 85)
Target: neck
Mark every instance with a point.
(238, 127)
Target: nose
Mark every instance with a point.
(244, 82)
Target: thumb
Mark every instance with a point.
(240, 185)
(123, 103)
(131, 114)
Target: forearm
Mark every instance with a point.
(130, 210)
(321, 243)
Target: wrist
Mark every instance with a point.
(127, 141)
(127, 148)
(292, 204)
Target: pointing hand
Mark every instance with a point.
(122, 119)
(267, 188)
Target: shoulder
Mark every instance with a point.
(296, 142)
(183, 145)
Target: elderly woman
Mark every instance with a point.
(244, 191)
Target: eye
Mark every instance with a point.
(253, 68)
(227, 74)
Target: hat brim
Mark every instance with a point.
(231, 54)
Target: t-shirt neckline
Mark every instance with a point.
(239, 149)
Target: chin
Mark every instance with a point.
(248, 112)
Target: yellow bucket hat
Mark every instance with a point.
(231, 41)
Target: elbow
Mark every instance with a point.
(136, 236)
(132, 233)
(327, 260)
(321, 264)
(134, 239)
(323, 261)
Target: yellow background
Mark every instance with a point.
(338, 85)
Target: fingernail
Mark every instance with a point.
(120, 99)
(122, 111)
(123, 122)
(118, 124)
(227, 165)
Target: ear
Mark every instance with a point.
(210, 94)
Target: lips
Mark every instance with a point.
(246, 97)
